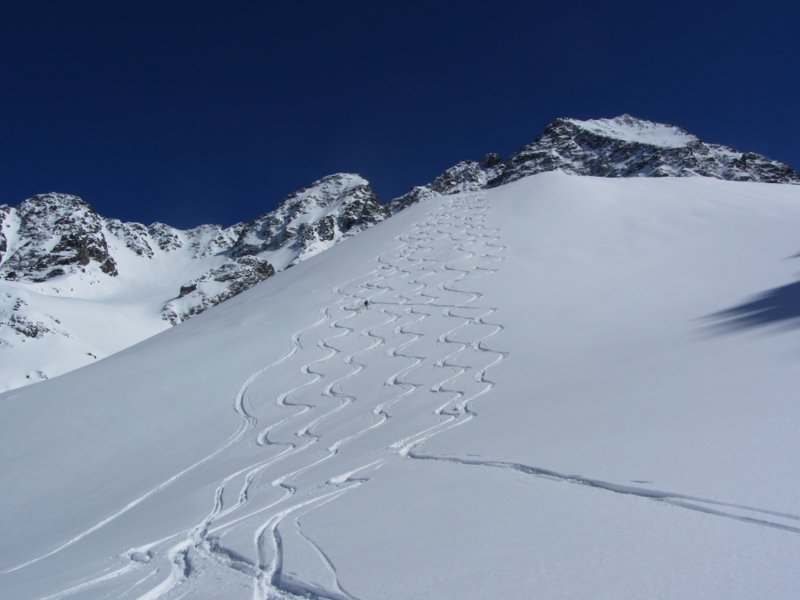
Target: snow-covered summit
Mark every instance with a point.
(306, 223)
(623, 146)
(638, 131)
(49, 235)
(311, 220)
(629, 147)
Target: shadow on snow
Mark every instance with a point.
(778, 306)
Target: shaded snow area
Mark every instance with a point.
(631, 129)
(564, 387)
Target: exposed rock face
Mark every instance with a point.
(621, 147)
(4, 212)
(630, 147)
(466, 176)
(135, 236)
(307, 222)
(60, 234)
(312, 219)
(16, 317)
(54, 247)
(215, 286)
(209, 240)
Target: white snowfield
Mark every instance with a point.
(91, 315)
(630, 129)
(565, 387)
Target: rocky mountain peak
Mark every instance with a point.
(312, 219)
(327, 190)
(625, 128)
(626, 146)
(52, 202)
(466, 176)
(57, 234)
(623, 146)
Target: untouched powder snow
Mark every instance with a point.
(565, 387)
(631, 129)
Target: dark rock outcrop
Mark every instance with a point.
(215, 286)
(59, 233)
(621, 147)
(631, 147)
(466, 176)
(313, 218)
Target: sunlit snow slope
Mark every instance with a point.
(564, 387)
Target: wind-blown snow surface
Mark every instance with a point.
(565, 387)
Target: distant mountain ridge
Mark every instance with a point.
(60, 261)
(55, 247)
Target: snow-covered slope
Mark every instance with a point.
(75, 286)
(564, 387)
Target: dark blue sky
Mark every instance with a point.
(193, 112)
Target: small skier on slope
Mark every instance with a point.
(366, 303)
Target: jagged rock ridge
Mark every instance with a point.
(631, 147)
(55, 246)
(56, 233)
(310, 219)
(620, 147)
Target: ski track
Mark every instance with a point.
(398, 289)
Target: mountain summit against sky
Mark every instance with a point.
(630, 147)
(75, 286)
(620, 147)
(562, 387)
